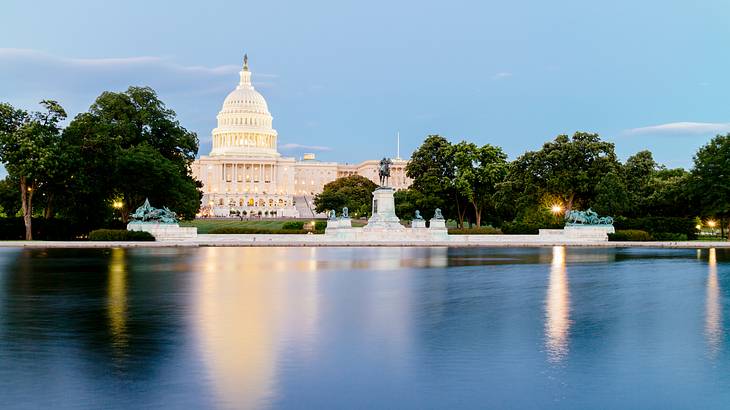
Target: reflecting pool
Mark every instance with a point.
(364, 328)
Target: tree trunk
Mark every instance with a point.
(478, 213)
(459, 214)
(722, 228)
(48, 212)
(569, 203)
(26, 198)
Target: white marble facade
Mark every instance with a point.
(245, 172)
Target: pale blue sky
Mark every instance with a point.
(343, 77)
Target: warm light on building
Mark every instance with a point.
(244, 163)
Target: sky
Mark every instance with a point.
(341, 78)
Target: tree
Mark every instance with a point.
(568, 167)
(432, 169)
(611, 195)
(478, 173)
(710, 181)
(9, 198)
(669, 194)
(354, 192)
(127, 147)
(29, 148)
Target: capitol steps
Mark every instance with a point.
(305, 206)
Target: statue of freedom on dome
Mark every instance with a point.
(384, 172)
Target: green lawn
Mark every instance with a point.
(206, 225)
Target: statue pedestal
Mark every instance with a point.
(588, 232)
(338, 226)
(437, 228)
(384, 217)
(164, 232)
(332, 226)
(418, 224)
(345, 223)
(437, 224)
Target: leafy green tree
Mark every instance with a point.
(432, 169)
(354, 192)
(710, 182)
(128, 146)
(478, 173)
(407, 201)
(568, 167)
(9, 198)
(29, 149)
(611, 195)
(669, 194)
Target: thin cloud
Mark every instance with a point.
(501, 76)
(30, 56)
(681, 128)
(292, 146)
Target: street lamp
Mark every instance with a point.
(711, 223)
(556, 209)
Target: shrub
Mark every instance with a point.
(119, 235)
(668, 236)
(629, 235)
(320, 225)
(482, 230)
(252, 231)
(293, 225)
(522, 228)
(659, 225)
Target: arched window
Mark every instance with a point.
(250, 201)
(220, 202)
(271, 202)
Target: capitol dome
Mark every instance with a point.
(244, 123)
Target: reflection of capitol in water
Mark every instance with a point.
(557, 308)
(713, 308)
(242, 301)
(258, 310)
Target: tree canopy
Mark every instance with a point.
(30, 150)
(567, 167)
(710, 178)
(354, 192)
(126, 148)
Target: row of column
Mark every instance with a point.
(265, 141)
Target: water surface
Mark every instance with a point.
(364, 328)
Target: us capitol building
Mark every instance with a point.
(245, 172)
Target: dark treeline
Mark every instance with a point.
(477, 185)
(90, 174)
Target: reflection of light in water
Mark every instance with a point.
(438, 257)
(243, 300)
(557, 308)
(713, 310)
(117, 299)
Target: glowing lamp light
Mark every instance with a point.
(711, 223)
(698, 227)
(556, 209)
(117, 204)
